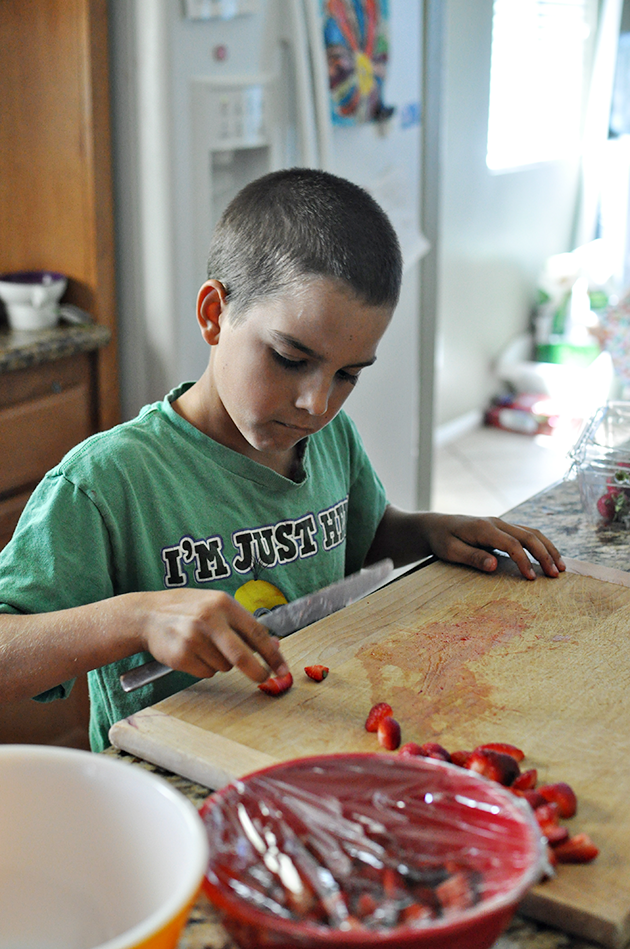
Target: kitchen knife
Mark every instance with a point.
(286, 619)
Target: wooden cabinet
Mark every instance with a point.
(56, 214)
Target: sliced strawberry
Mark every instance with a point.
(460, 758)
(365, 905)
(606, 506)
(456, 892)
(578, 849)
(526, 780)
(393, 884)
(533, 797)
(504, 748)
(411, 749)
(561, 794)
(388, 733)
(317, 673)
(495, 765)
(376, 713)
(547, 813)
(276, 685)
(415, 914)
(431, 749)
(547, 817)
(555, 834)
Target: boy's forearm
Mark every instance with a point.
(39, 651)
(400, 536)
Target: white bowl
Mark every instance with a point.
(32, 298)
(94, 852)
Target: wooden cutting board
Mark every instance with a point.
(463, 658)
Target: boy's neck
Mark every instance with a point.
(195, 405)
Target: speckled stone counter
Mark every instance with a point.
(556, 511)
(21, 349)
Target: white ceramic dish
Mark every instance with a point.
(94, 852)
(32, 298)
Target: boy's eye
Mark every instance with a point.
(351, 377)
(286, 362)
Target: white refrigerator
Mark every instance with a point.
(209, 94)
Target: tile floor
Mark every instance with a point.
(487, 471)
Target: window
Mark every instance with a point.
(536, 80)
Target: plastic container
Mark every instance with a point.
(368, 850)
(601, 465)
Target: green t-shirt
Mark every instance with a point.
(155, 504)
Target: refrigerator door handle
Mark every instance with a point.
(321, 88)
(293, 31)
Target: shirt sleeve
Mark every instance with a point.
(60, 553)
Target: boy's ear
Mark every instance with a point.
(211, 302)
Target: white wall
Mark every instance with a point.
(495, 230)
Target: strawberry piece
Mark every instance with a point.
(460, 758)
(526, 780)
(504, 748)
(606, 507)
(551, 856)
(376, 713)
(431, 749)
(555, 834)
(317, 673)
(578, 849)
(547, 813)
(411, 749)
(533, 797)
(547, 817)
(456, 893)
(415, 914)
(388, 732)
(561, 794)
(495, 765)
(276, 685)
(365, 905)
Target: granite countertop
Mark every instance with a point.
(557, 511)
(20, 349)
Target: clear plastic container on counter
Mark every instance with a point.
(601, 465)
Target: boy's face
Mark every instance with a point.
(284, 370)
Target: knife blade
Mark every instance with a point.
(287, 619)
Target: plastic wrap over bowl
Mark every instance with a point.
(368, 850)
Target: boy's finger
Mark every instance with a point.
(545, 552)
(260, 641)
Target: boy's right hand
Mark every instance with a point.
(203, 632)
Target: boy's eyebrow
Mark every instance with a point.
(296, 344)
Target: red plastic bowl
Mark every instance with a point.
(356, 812)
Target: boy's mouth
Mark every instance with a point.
(299, 429)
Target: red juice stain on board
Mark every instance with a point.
(423, 672)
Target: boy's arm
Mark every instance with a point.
(199, 632)
(407, 537)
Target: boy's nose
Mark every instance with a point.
(313, 397)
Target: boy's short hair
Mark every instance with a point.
(301, 222)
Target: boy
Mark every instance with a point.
(137, 542)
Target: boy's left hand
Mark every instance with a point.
(470, 540)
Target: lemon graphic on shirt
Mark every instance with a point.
(259, 596)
